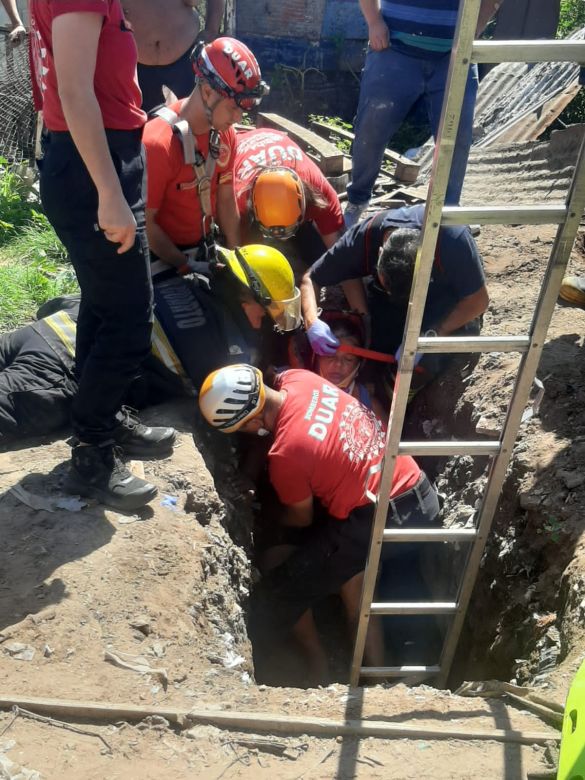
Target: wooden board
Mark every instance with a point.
(406, 170)
(326, 155)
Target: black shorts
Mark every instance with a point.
(333, 552)
(178, 76)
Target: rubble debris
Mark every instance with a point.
(19, 651)
(11, 771)
(136, 663)
(46, 504)
(572, 479)
(142, 623)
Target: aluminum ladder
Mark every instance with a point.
(567, 216)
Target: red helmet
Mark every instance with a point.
(231, 69)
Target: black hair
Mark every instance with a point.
(396, 262)
(345, 328)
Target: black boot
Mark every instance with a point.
(140, 441)
(98, 472)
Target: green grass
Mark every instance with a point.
(18, 199)
(33, 268)
(33, 262)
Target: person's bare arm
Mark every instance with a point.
(17, 31)
(299, 515)
(228, 217)
(466, 310)
(309, 305)
(213, 18)
(487, 10)
(75, 45)
(160, 243)
(378, 34)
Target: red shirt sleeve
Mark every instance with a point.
(291, 484)
(159, 162)
(329, 219)
(60, 7)
(227, 159)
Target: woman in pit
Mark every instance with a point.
(343, 368)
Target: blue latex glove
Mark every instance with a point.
(417, 358)
(321, 339)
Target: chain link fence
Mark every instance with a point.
(17, 116)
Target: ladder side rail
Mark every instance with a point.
(451, 344)
(529, 51)
(547, 214)
(449, 448)
(446, 137)
(553, 277)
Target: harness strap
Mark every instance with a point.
(204, 169)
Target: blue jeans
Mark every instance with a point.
(391, 84)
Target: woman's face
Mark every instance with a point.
(254, 312)
(339, 369)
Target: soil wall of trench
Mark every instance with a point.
(526, 619)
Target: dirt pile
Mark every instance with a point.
(150, 609)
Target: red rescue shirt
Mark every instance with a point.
(325, 445)
(172, 185)
(260, 148)
(115, 83)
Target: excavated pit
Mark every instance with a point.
(526, 610)
(525, 619)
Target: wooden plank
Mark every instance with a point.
(406, 170)
(272, 723)
(327, 155)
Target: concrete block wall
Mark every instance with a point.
(291, 19)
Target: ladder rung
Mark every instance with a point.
(551, 214)
(429, 534)
(445, 344)
(449, 447)
(413, 608)
(528, 51)
(397, 671)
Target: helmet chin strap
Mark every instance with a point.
(210, 109)
(349, 381)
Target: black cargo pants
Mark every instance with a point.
(115, 317)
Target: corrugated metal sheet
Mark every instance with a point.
(517, 102)
(530, 173)
(514, 98)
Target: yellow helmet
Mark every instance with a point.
(268, 275)
(278, 202)
(231, 396)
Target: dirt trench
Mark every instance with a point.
(171, 585)
(526, 618)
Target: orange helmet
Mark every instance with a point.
(278, 202)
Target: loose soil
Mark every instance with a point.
(171, 585)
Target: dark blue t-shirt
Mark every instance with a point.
(457, 269)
